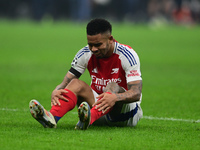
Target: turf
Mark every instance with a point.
(35, 57)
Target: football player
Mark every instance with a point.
(113, 98)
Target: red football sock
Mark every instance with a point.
(96, 114)
(61, 110)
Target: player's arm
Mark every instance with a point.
(57, 92)
(133, 94)
(68, 77)
(78, 67)
(108, 100)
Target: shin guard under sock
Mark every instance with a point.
(96, 114)
(60, 110)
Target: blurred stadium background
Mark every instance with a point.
(136, 11)
(39, 38)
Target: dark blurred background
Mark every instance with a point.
(136, 11)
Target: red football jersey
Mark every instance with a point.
(121, 67)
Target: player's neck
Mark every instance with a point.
(110, 51)
(112, 47)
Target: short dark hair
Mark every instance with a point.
(97, 26)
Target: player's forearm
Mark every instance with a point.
(133, 94)
(66, 81)
(128, 97)
(61, 86)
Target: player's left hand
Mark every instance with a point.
(106, 101)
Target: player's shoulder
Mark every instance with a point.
(85, 51)
(123, 48)
(81, 58)
(126, 53)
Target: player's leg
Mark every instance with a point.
(122, 114)
(94, 114)
(129, 115)
(82, 91)
(78, 91)
(42, 115)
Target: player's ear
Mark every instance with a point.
(111, 38)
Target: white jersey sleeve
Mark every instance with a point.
(80, 60)
(130, 63)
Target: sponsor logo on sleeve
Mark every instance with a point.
(133, 73)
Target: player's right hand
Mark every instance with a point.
(56, 95)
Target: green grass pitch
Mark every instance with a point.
(35, 57)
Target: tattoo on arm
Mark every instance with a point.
(133, 94)
(135, 87)
(69, 79)
(64, 84)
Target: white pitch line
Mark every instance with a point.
(171, 119)
(9, 109)
(144, 117)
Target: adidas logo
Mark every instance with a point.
(95, 70)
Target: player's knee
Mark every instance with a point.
(75, 85)
(113, 87)
(112, 84)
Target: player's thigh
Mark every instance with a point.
(125, 115)
(82, 90)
